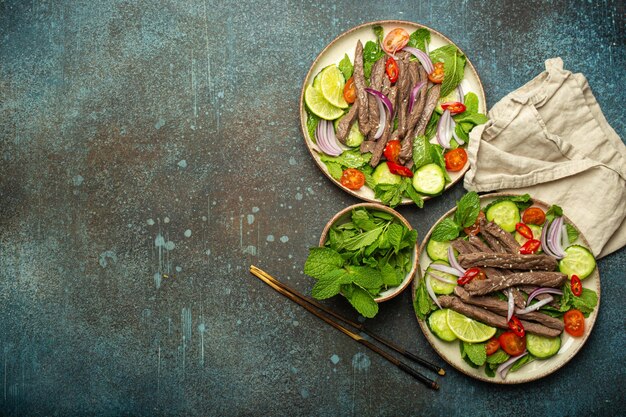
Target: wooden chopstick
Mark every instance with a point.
(311, 305)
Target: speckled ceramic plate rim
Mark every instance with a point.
(308, 80)
(392, 292)
(480, 373)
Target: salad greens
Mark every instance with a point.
(361, 258)
(453, 65)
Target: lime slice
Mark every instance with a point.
(316, 102)
(331, 85)
(467, 329)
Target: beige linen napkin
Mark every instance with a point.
(550, 139)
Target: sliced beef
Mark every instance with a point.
(431, 103)
(404, 91)
(529, 262)
(377, 153)
(479, 244)
(462, 246)
(343, 128)
(367, 146)
(420, 102)
(361, 94)
(376, 82)
(492, 319)
(501, 307)
(505, 239)
(543, 279)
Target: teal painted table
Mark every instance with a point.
(151, 152)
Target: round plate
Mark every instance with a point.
(536, 369)
(345, 44)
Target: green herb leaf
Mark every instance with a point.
(327, 286)
(586, 303)
(572, 233)
(497, 358)
(436, 152)
(419, 39)
(526, 359)
(467, 210)
(364, 220)
(423, 304)
(346, 67)
(421, 152)
(321, 262)
(334, 169)
(413, 194)
(361, 240)
(431, 127)
(470, 117)
(554, 211)
(453, 66)
(446, 230)
(471, 102)
(391, 278)
(311, 124)
(363, 302)
(390, 194)
(378, 31)
(348, 159)
(394, 234)
(476, 352)
(365, 276)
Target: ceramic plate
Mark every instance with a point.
(345, 44)
(536, 369)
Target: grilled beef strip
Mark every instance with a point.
(479, 244)
(404, 90)
(431, 102)
(529, 262)
(543, 279)
(420, 102)
(465, 247)
(491, 318)
(506, 239)
(367, 146)
(501, 307)
(376, 82)
(377, 153)
(346, 123)
(361, 94)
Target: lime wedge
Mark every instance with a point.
(316, 102)
(331, 85)
(467, 329)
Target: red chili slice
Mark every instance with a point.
(399, 169)
(469, 275)
(516, 326)
(530, 247)
(576, 285)
(524, 230)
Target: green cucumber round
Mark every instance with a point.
(505, 214)
(536, 234)
(578, 261)
(382, 175)
(429, 179)
(438, 250)
(441, 287)
(355, 137)
(542, 347)
(439, 325)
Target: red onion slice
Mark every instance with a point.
(558, 232)
(446, 269)
(442, 279)
(510, 304)
(453, 262)
(443, 129)
(459, 90)
(324, 141)
(383, 118)
(422, 57)
(565, 240)
(544, 240)
(430, 291)
(535, 306)
(542, 290)
(414, 92)
(453, 129)
(503, 369)
(384, 99)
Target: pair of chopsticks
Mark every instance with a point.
(318, 310)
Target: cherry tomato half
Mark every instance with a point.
(576, 285)
(516, 326)
(512, 343)
(454, 107)
(399, 169)
(392, 150)
(492, 346)
(437, 75)
(469, 275)
(395, 40)
(349, 91)
(392, 70)
(455, 159)
(524, 230)
(474, 229)
(531, 246)
(534, 215)
(574, 322)
(352, 178)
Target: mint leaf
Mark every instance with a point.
(391, 277)
(321, 262)
(363, 302)
(554, 211)
(419, 39)
(470, 117)
(346, 67)
(334, 169)
(521, 362)
(327, 286)
(363, 220)
(421, 152)
(431, 127)
(378, 31)
(361, 240)
(467, 210)
(572, 233)
(446, 230)
(586, 303)
(453, 67)
(423, 304)
(471, 102)
(349, 159)
(394, 234)
(436, 153)
(409, 239)
(414, 195)
(390, 194)
(497, 358)
(476, 352)
(365, 276)
(311, 124)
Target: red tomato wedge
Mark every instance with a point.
(437, 75)
(512, 343)
(352, 178)
(574, 322)
(392, 150)
(455, 159)
(395, 40)
(349, 91)
(534, 215)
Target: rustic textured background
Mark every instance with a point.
(143, 138)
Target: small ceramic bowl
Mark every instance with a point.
(344, 216)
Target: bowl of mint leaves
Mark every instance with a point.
(367, 253)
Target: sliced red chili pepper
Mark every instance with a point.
(517, 327)
(469, 275)
(577, 286)
(524, 230)
(530, 246)
(455, 107)
(392, 70)
(399, 169)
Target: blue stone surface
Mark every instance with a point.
(124, 125)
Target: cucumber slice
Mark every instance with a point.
(438, 323)
(382, 175)
(536, 234)
(505, 214)
(438, 250)
(542, 347)
(429, 179)
(438, 286)
(355, 137)
(578, 261)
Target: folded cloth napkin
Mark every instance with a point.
(550, 139)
